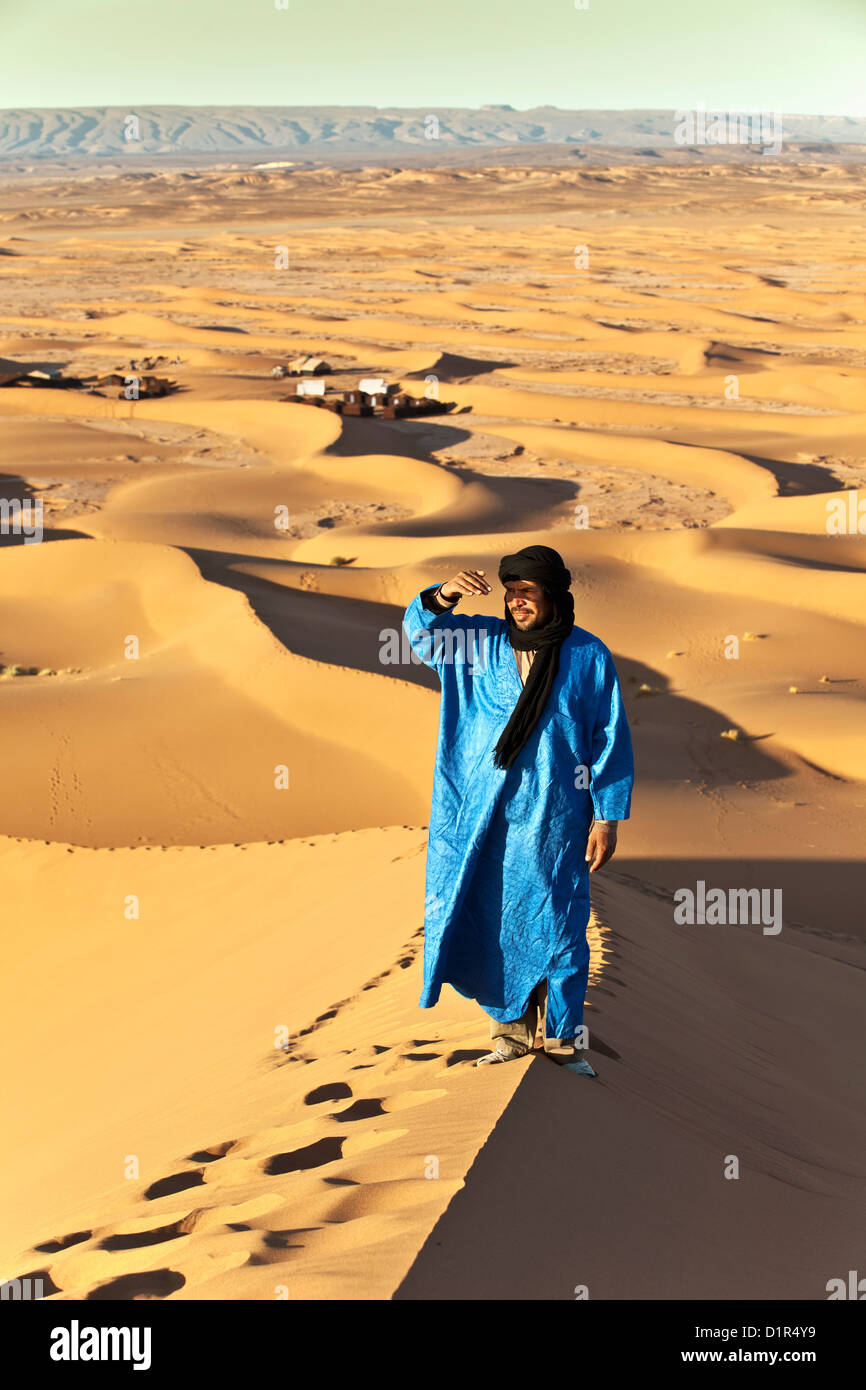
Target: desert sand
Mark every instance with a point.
(199, 962)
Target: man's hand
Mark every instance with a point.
(466, 582)
(601, 845)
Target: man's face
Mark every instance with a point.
(528, 605)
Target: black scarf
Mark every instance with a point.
(544, 566)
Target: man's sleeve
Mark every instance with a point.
(427, 627)
(612, 767)
(431, 600)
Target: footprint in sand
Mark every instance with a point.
(334, 1090)
(315, 1155)
(367, 1109)
(406, 1059)
(151, 1283)
(102, 1264)
(134, 1241)
(175, 1182)
(38, 1281)
(54, 1247)
(373, 1053)
(275, 1244)
(211, 1154)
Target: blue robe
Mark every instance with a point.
(507, 889)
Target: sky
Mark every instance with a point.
(787, 56)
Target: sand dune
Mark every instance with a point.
(210, 730)
(217, 789)
(267, 1168)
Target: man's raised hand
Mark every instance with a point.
(466, 582)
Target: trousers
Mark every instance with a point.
(518, 1036)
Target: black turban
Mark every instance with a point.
(545, 567)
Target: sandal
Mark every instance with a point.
(502, 1054)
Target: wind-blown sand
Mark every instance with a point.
(223, 1086)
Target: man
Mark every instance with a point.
(533, 771)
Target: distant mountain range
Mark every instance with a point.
(318, 134)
